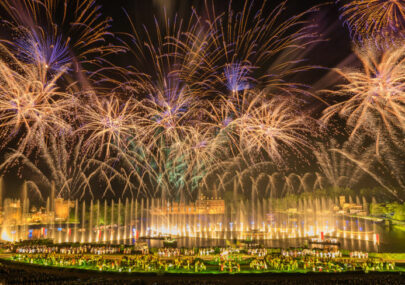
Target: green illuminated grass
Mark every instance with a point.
(212, 269)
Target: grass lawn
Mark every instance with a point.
(214, 269)
(388, 256)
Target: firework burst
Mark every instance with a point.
(374, 98)
(29, 100)
(251, 49)
(272, 126)
(375, 19)
(336, 168)
(194, 97)
(107, 121)
(58, 162)
(54, 33)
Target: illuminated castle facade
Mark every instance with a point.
(202, 206)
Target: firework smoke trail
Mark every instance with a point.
(379, 20)
(29, 100)
(374, 98)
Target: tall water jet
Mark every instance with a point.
(152, 217)
(1, 193)
(125, 219)
(131, 219)
(112, 222)
(4, 230)
(53, 196)
(83, 227)
(48, 213)
(60, 230)
(76, 220)
(105, 222)
(98, 222)
(141, 229)
(91, 222)
(24, 211)
(136, 218)
(119, 221)
(67, 223)
(52, 209)
(147, 221)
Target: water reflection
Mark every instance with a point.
(208, 223)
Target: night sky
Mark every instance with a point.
(334, 48)
(334, 51)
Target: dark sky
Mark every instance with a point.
(333, 52)
(143, 11)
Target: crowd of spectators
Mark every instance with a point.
(121, 259)
(75, 249)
